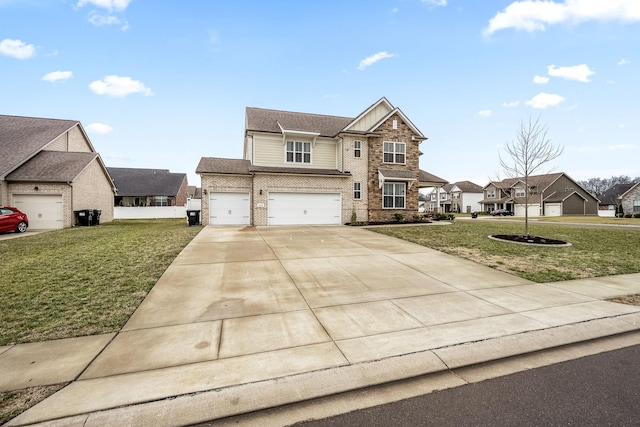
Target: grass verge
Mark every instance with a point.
(13, 403)
(595, 251)
(84, 280)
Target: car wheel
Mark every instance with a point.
(22, 227)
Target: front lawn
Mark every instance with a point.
(84, 280)
(595, 251)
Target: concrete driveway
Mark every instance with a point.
(344, 307)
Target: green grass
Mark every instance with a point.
(84, 280)
(595, 251)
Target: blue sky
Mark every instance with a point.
(160, 84)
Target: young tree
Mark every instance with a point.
(526, 154)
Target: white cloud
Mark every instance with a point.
(435, 2)
(580, 73)
(17, 49)
(511, 104)
(373, 59)
(537, 15)
(541, 80)
(624, 62)
(54, 76)
(622, 147)
(111, 5)
(485, 113)
(100, 128)
(117, 87)
(544, 100)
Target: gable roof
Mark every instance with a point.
(274, 121)
(468, 187)
(22, 137)
(540, 181)
(52, 166)
(613, 194)
(146, 182)
(390, 111)
(427, 179)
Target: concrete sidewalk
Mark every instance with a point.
(246, 319)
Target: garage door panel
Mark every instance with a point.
(305, 208)
(552, 209)
(229, 209)
(45, 212)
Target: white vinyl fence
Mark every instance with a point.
(149, 212)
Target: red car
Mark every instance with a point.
(11, 219)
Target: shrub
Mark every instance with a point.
(398, 217)
(628, 215)
(636, 215)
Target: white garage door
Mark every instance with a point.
(45, 212)
(534, 210)
(229, 209)
(552, 209)
(305, 208)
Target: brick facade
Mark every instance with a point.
(91, 190)
(221, 183)
(627, 202)
(53, 189)
(402, 133)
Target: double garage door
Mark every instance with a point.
(283, 208)
(305, 209)
(45, 212)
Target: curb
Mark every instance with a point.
(242, 399)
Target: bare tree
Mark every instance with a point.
(526, 154)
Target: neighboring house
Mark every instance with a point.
(194, 198)
(553, 194)
(301, 168)
(630, 199)
(149, 187)
(611, 199)
(49, 169)
(461, 196)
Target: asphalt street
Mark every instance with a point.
(599, 390)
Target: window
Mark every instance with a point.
(393, 195)
(298, 152)
(357, 194)
(636, 205)
(491, 194)
(520, 192)
(443, 196)
(357, 148)
(456, 195)
(160, 201)
(394, 152)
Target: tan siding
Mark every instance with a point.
(269, 151)
(373, 117)
(58, 144)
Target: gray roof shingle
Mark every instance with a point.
(135, 182)
(223, 166)
(263, 120)
(22, 137)
(52, 166)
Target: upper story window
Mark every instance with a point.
(455, 195)
(491, 194)
(357, 190)
(443, 196)
(357, 148)
(520, 192)
(298, 152)
(394, 152)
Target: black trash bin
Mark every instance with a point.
(96, 216)
(193, 217)
(84, 217)
(474, 214)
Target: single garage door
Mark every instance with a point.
(229, 209)
(305, 208)
(45, 212)
(552, 209)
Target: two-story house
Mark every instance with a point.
(459, 197)
(553, 194)
(301, 168)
